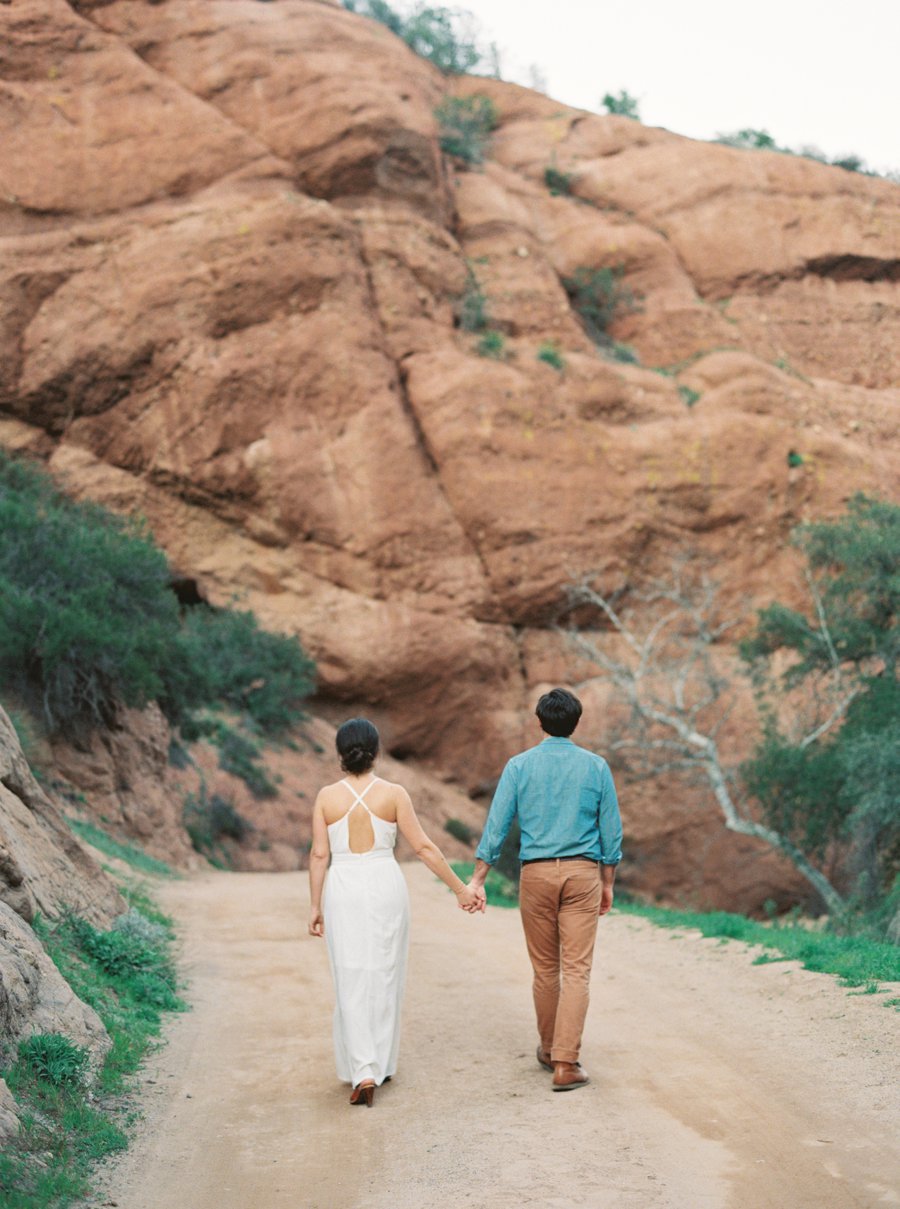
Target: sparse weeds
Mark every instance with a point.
(559, 183)
(549, 352)
(492, 344)
(465, 124)
(599, 297)
(69, 1119)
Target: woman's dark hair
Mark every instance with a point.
(357, 745)
(558, 712)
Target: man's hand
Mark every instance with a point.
(480, 896)
(468, 899)
(606, 899)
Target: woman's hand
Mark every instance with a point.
(470, 900)
(316, 922)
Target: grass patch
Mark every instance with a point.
(856, 960)
(465, 125)
(127, 974)
(119, 849)
(550, 354)
(492, 344)
(501, 891)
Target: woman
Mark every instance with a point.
(355, 821)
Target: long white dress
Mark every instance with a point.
(366, 907)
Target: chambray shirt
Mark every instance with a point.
(566, 802)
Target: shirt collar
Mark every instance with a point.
(556, 739)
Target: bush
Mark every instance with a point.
(549, 353)
(617, 351)
(688, 396)
(623, 104)
(209, 820)
(473, 305)
(599, 297)
(446, 37)
(459, 830)
(751, 139)
(54, 1058)
(86, 617)
(465, 124)
(492, 344)
(559, 183)
(88, 621)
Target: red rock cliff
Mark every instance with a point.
(232, 253)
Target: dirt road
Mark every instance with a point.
(717, 1084)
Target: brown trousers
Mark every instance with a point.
(559, 902)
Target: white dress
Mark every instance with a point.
(366, 909)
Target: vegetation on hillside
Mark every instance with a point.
(447, 37)
(820, 786)
(753, 139)
(70, 1116)
(465, 125)
(89, 622)
(827, 766)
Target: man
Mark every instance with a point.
(568, 814)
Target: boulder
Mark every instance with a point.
(34, 996)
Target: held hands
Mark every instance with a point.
(471, 898)
(316, 922)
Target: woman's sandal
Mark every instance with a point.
(363, 1093)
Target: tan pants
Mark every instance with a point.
(559, 902)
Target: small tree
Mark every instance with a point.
(662, 661)
(825, 769)
(623, 104)
(465, 124)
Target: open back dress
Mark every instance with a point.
(366, 907)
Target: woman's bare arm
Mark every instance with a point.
(318, 865)
(429, 853)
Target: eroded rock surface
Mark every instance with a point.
(233, 258)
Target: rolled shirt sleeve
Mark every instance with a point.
(500, 816)
(610, 821)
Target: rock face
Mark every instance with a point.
(34, 996)
(43, 868)
(233, 258)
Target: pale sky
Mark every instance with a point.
(816, 72)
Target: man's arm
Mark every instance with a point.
(499, 820)
(610, 824)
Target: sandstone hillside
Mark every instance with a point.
(233, 256)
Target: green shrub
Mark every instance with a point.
(459, 830)
(465, 124)
(55, 1058)
(689, 397)
(209, 820)
(88, 621)
(617, 351)
(67, 1125)
(492, 344)
(751, 139)
(559, 183)
(86, 616)
(549, 353)
(473, 305)
(622, 103)
(599, 297)
(447, 37)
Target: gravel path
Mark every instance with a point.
(717, 1084)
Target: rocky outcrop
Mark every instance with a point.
(43, 868)
(34, 996)
(233, 258)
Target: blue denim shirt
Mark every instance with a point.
(566, 802)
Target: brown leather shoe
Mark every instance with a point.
(569, 1075)
(544, 1059)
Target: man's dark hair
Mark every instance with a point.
(558, 712)
(357, 745)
